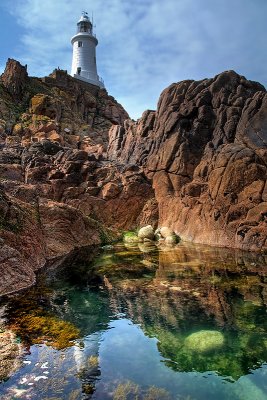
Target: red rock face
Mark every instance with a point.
(14, 77)
(204, 150)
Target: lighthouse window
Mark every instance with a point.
(80, 44)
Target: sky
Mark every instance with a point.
(144, 45)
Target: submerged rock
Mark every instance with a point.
(204, 341)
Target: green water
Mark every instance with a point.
(140, 323)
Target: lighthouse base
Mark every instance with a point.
(91, 81)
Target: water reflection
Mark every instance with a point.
(174, 322)
(194, 289)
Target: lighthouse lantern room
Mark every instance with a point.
(84, 53)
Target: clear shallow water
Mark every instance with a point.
(122, 328)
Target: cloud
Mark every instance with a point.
(145, 45)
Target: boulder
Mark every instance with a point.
(146, 232)
(165, 232)
(171, 240)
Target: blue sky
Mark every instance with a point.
(144, 45)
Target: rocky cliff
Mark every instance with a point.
(76, 171)
(58, 108)
(58, 192)
(205, 151)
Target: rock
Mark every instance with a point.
(11, 172)
(110, 190)
(147, 232)
(50, 126)
(205, 157)
(204, 341)
(14, 77)
(55, 137)
(65, 228)
(197, 164)
(171, 240)
(17, 129)
(23, 250)
(165, 232)
(45, 105)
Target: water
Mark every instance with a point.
(141, 323)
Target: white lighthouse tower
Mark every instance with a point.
(84, 55)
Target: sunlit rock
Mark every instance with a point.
(147, 232)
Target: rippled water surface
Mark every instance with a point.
(140, 323)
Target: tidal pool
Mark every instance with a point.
(182, 323)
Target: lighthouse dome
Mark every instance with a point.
(84, 17)
(84, 24)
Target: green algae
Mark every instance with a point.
(130, 237)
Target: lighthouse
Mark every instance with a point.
(84, 53)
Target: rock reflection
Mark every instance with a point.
(195, 288)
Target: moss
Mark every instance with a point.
(130, 237)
